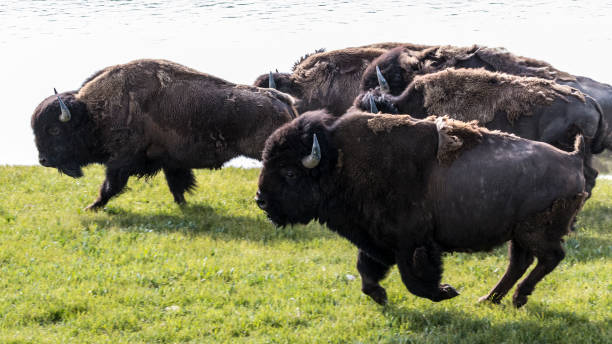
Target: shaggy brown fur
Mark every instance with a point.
(149, 115)
(392, 45)
(298, 62)
(402, 64)
(454, 137)
(477, 94)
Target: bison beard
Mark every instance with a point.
(404, 191)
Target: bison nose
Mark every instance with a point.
(261, 203)
(43, 161)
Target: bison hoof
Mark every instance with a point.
(94, 207)
(490, 298)
(519, 300)
(378, 294)
(447, 292)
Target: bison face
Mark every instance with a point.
(296, 166)
(61, 130)
(375, 101)
(280, 81)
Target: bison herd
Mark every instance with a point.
(408, 151)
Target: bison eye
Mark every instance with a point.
(290, 174)
(53, 131)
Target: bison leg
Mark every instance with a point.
(421, 272)
(180, 180)
(520, 259)
(547, 261)
(114, 184)
(590, 174)
(372, 272)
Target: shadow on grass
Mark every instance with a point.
(197, 219)
(455, 326)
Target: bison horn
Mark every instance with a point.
(312, 160)
(373, 108)
(382, 82)
(65, 115)
(271, 83)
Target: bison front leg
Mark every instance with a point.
(421, 272)
(372, 272)
(520, 259)
(180, 180)
(114, 184)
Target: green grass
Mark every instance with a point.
(216, 271)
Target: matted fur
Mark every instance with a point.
(391, 45)
(402, 64)
(437, 58)
(455, 136)
(477, 94)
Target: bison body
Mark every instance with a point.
(150, 115)
(328, 79)
(532, 108)
(405, 190)
(400, 66)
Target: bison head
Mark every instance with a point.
(375, 101)
(297, 162)
(62, 130)
(280, 81)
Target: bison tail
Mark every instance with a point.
(580, 148)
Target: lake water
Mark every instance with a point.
(46, 44)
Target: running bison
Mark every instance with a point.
(405, 190)
(532, 108)
(329, 79)
(400, 66)
(150, 115)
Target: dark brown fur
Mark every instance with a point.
(147, 115)
(380, 184)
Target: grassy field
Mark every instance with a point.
(216, 271)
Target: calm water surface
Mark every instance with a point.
(46, 44)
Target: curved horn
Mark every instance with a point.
(312, 160)
(384, 85)
(271, 83)
(65, 115)
(373, 108)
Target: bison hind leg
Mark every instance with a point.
(180, 180)
(542, 235)
(520, 259)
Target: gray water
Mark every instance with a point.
(46, 44)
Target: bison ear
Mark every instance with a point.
(446, 143)
(314, 158)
